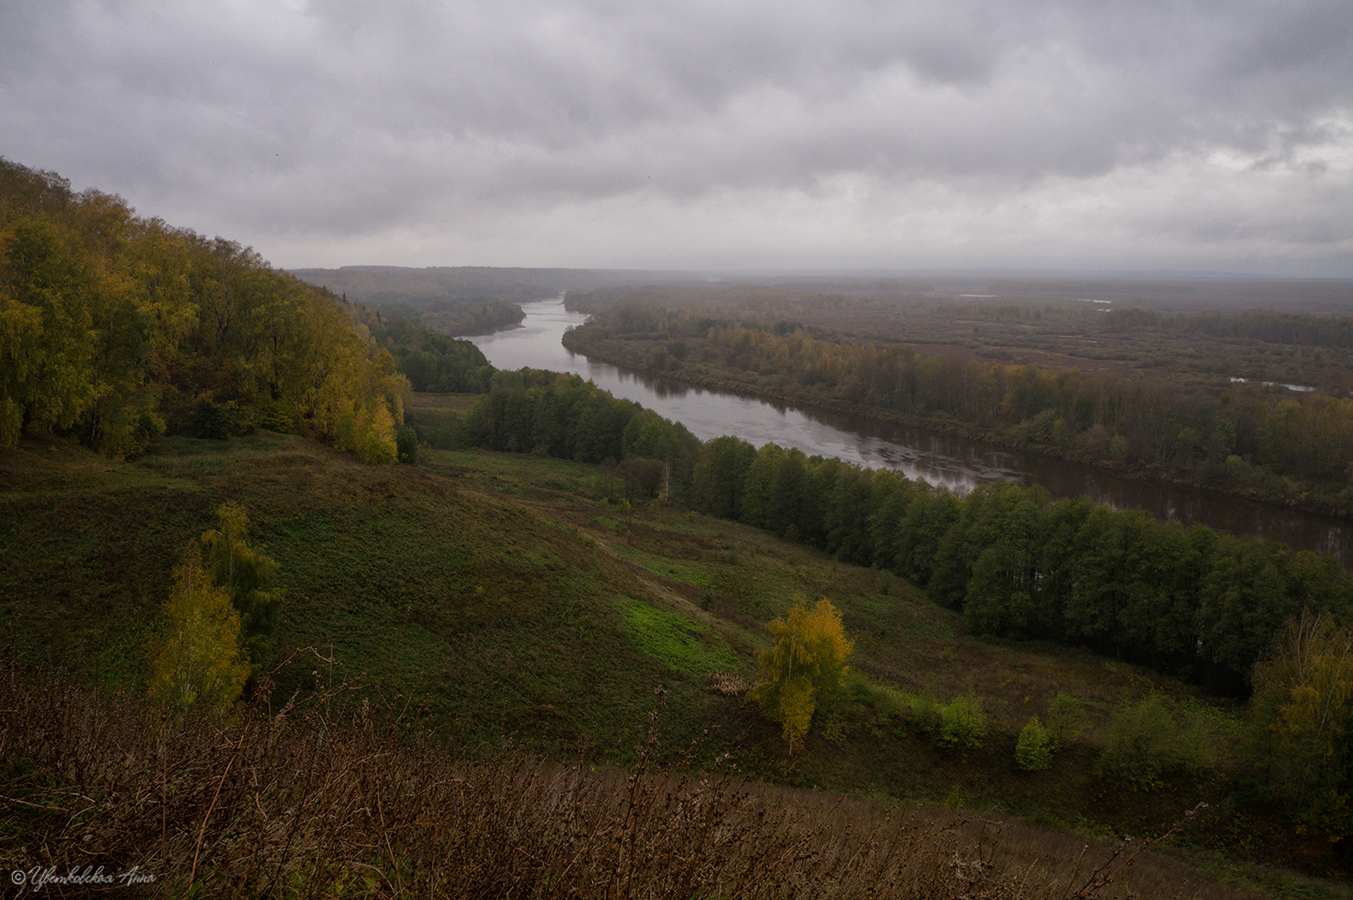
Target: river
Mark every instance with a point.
(936, 459)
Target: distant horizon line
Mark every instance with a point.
(979, 272)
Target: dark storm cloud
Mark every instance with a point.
(981, 132)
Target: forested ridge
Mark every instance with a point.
(1293, 447)
(116, 329)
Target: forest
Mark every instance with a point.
(1190, 603)
(1246, 432)
(117, 329)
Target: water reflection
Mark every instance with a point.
(936, 459)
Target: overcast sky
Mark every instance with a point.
(1132, 135)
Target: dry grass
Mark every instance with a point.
(729, 684)
(298, 802)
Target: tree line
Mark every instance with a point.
(1190, 603)
(433, 362)
(1257, 325)
(116, 329)
(560, 415)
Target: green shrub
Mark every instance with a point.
(1141, 745)
(281, 418)
(1066, 720)
(1033, 752)
(963, 725)
(207, 420)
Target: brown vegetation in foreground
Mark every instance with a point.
(299, 801)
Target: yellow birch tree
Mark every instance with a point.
(248, 578)
(199, 664)
(804, 669)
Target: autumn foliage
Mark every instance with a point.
(117, 329)
(199, 665)
(247, 576)
(804, 668)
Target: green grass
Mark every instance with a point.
(679, 643)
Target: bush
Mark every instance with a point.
(963, 725)
(281, 418)
(207, 420)
(1140, 747)
(1066, 720)
(1033, 752)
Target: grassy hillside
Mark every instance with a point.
(436, 587)
(502, 596)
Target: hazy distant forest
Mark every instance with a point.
(219, 482)
(1254, 402)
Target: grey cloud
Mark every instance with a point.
(349, 119)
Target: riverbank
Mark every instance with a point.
(1231, 476)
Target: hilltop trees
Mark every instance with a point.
(114, 329)
(804, 669)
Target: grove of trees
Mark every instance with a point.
(553, 414)
(219, 625)
(116, 328)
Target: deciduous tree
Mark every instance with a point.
(247, 576)
(1302, 713)
(804, 669)
(199, 663)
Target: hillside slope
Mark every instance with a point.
(505, 597)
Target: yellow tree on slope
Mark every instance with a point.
(199, 664)
(249, 580)
(805, 667)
